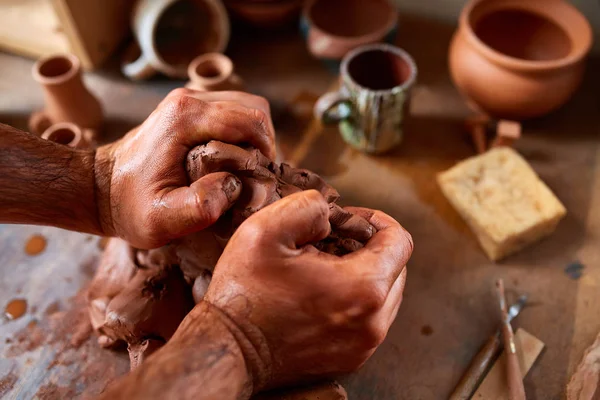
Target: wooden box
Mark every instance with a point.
(90, 29)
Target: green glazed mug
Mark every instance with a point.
(373, 98)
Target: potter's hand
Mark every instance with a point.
(144, 195)
(277, 310)
(302, 313)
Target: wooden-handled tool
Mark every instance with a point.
(516, 389)
(484, 358)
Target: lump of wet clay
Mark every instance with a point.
(139, 297)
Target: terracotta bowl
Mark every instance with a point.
(266, 14)
(332, 28)
(519, 59)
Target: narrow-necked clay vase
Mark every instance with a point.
(332, 28)
(212, 72)
(66, 97)
(67, 134)
(266, 14)
(518, 59)
(170, 33)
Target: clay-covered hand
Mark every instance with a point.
(299, 313)
(143, 192)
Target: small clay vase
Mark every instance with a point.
(66, 97)
(265, 14)
(67, 134)
(213, 72)
(170, 33)
(332, 28)
(517, 59)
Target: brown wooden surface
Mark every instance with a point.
(449, 305)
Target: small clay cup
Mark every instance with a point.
(332, 28)
(376, 82)
(519, 59)
(66, 97)
(213, 72)
(170, 33)
(67, 134)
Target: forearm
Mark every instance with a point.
(203, 360)
(44, 183)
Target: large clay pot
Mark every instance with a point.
(66, 97)
(170, 33)
(333, 28)
(519, 59)
(213, 72)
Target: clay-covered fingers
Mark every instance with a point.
(385, 255)
(305, 180)
(379, 319)
(218, 156)
(188, 209)
(292, 222)
(392, 304)
(349, 224)
(231, 117)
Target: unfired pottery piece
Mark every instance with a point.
(66, 97)
(170, 33)
(67, 134)
(519, 59)
(332, 28)
(211, 72)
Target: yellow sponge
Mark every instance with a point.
(503, 200)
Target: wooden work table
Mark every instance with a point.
(449, 307)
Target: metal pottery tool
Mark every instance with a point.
(484, 358)
(516, 389)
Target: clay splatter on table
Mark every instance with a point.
(69, 332)
(7, 383)
(102, 242)
(35, 245)
(15, 308)
(426, 330)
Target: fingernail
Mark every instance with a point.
(231, 185)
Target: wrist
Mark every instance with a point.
(203, 360)
(251, 342)
(103, 167)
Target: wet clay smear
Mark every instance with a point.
(7, 383)
(35, 245)
(102, 242)
(15, 308)
(66, 329)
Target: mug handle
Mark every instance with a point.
(327, 108)
(139, 68)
